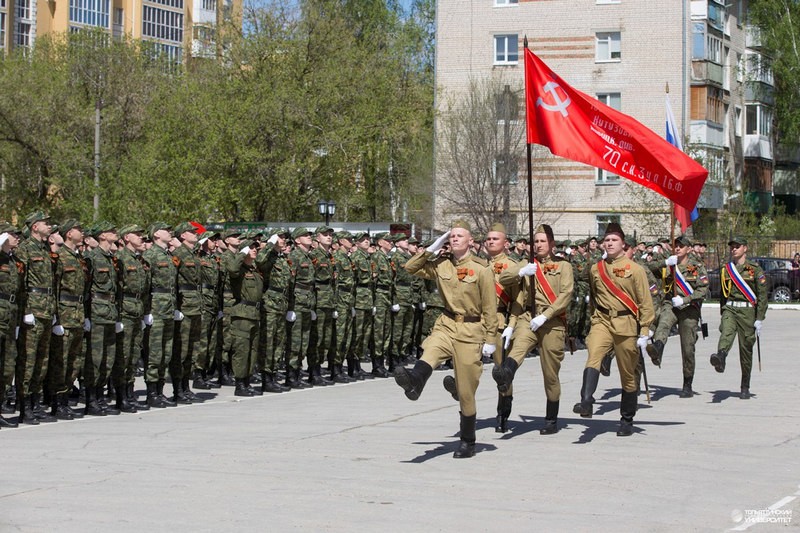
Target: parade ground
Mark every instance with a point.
(361, 457)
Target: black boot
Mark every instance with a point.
(449, 384)
(687, 391)
(59, 409)
(6, 423)
(9, 402)
(253, 391)
(378, 370)
(745, 393)
(628, 411)
(209, 382)
(718, 360)
(241, 389)
(503, 413)
(467, 447)
(76, 413)
(167, 401)
(189, 392)
(39, 412)
(92, 407)
(353, 370)
(338, 375)
(225, 375)
(293, 380)
(123, 404)
(503, 374)
(101, 401)
(131, 395)
(26, 415)
(316, 378)
(154, 400)
(198, 381)
(605, 364)
(655, 350)
(178, 394)
(413, 381)
(550, 419)
(590, 379)
(268, 384)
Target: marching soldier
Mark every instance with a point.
(544, 327)
(681, 306)
(10, 284)
(274, 267)
(623, 312)
(385, 307)
(466, 330)
(301, 314)
(364, 303)
(743, 306)
(322, 336)
(345, 310)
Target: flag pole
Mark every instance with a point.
(672, 227)
(531, 259)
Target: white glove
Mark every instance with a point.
(567, 250)
(3, 238)
(757, 324)
(202, 241)
(605, 254)
(641, 342)
(671, 261)
(650, 333)
(488, 349)
(656, 249)
(336, 314)
(374, 311)
(528, 270)
(148, 320)
(313, 316)
(353, 312)
(587, 298)
(291, 316)
(272, 240)
(118, 327)
(58, 330)
(87, 324)
(537, 322)
(423, 306)
(506, 335)
(395, 308)
(438, 243)
(143, 325)
(55, 321)
(677, 301)
(220, 315)
(29, 319)
(177, 316)
(245, 250)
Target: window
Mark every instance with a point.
(758, 120)
(506, 49)
(23, 9)
(604, 220)
(2, 30)
(210, 5)
(758, 69)
(499, 3)
(177, 4)
(89, 12)
(162, 24)
(119, 16)
(716, 15)
(713, 49)
(608, 46)
(506, 170)
(613, 100)
(22, 35)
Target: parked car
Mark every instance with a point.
(782, 285)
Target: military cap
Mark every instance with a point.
(497, 226)
(664, 240)
(104, 226)
(156, 226)
(567, 243)
(361, 235)
(344, 234)
(615, 229)
(630, 241)
(67, 225)
(382, 235)
(231, 232)
(413, 240)
(546, 229)
(245, 243)
(6, 227)
(738, 239)
(299, 232)
(581, 242)
(36, 216)
(282, 231)
(682, 240)
(131, 228)
(397, 237)
(183, 227)
(426, 243)
(323, 229)
(208, 234)
(521, 238)
(461, 223)
(652, 243)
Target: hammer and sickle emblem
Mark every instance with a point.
(560, 105)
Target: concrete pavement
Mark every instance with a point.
(361, 457)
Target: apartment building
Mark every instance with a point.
(177, 29)
(626, 53)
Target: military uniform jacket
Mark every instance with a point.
(227, 293)
(345, 279)
(467, 289)
(632, 280)
(210, 282)
(384, 276)
(134, 278)
(104, 290)
(558, 273)
(275, 269)
(70, 278)
(754, 276)
(695, 275)
(508, 306)
(38, 284)
(403, 281)
(163, 278)
(301, 286)
(190, 297)
(247, 284)
(9, 292)
(363, 272)
(656, 285)
(324, 277)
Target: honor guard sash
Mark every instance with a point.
(614, 289)
(681, 282)
(547, 289)
(501, 294)
(740, 283)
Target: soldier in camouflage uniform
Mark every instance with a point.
(274, 267)
(418, 298)
(248, 288)
(10, 283)
(364, 302)
(385, 306)
(160, 313)
(578, 314)
(105, 299)
(301, 314)
(404, 318)
(134, 279)
(37, 308)
(66, 345)
(345, 300)
(231, 241)
(321, 345)
(210, 273)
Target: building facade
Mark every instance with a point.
(627, 54)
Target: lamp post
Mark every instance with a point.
(326, 208)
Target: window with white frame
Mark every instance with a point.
(2, 30)
(604, 220)
(506, 49)
(503, 3)
(210, 5)
(162, 24)
(22, 35)
(758, 120)
(608, 46)
(603, 176)
(714, 49)
(22, 9)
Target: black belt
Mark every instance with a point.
(160, 290)
(384, 287)
(249, 303)
(402, 283)
(135, 295)
(70, 298)
(460, 318)
(366, 285)
(612, 314)
(8, 297)
(107, 296)
(40, 290)
(189, 288)
(208, 286)
(323, 282)
(303, 286)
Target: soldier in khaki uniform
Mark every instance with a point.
(545, 327)
(743, 306)
(623, 312)
(466, 330)
(682, 303)
(10, 282)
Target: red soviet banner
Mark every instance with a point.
(577, 127)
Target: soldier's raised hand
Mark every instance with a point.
(671, 261)
(438, 243)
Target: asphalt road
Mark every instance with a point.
(361, 457)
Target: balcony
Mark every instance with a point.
(707, 72)
(706, 133)
(757, 146)
(753, 37)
